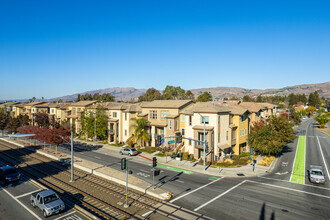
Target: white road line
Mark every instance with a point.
(294, 160)
(145, 171)
(305, 155)
(179, 181)
(19, 202)
(323, 157)
(147, 213)
(195, 190)
(222, 194)
(318, 187)
(26, 194)
(295, 190)
(70, 213)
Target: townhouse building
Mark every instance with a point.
(73, 113)
(163, 116)
(218, 131)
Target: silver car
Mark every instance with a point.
(129, 151)
(48, 202)
(316, 174)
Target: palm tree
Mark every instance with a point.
(140, 132)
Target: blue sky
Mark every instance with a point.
(55, 48)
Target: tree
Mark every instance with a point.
(205, 97)
(150, 95)
(87, 121)
(314, 99)
(42, 119)
(259, 98)
(140, 131)
(23, 119)
(270, 138)
(190, 95)
(247, 98)
(171, 92)
(4, 119)
(13, 125)
(294, 116)
(322, 119)
(310, 110)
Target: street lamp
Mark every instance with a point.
(72, 161)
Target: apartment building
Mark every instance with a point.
(217, 130)
(163, 116)
(74, 110)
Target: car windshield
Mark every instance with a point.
(51, 198)
(319, 173)
(133, 149)
(10, 171)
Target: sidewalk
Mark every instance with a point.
(191, 167)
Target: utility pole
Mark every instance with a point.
(95, 128)
(72, 177)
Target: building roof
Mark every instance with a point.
(83, 103)
(205, 107)
(252, 106)
(34, 103)
(10, 103)
(238, 110)
(166, 104)
(201, 127)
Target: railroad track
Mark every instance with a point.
(82, 198)
(135, 198)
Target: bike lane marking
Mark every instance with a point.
(298, 171)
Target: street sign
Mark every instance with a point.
(171, 142)
(251, 150)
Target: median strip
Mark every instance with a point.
(298, 172)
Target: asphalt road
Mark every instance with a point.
(268, 197)
(15, 203)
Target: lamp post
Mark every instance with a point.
(95, 128)
(72, 161)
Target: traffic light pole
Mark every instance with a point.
(153, 176)
(126, 205)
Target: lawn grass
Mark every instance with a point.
(298, 173)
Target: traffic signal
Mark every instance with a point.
(159, 140)
(123, 163)
(180, 139)
(154, 161)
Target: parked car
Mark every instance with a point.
(9, 174)
(47, 201)
(129, 151)
(316, 174)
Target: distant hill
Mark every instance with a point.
(125, 94)
(128, 94)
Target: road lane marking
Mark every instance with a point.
(98, 157)
(323, 157)
(65, 215)
(298, 172)
(222, 194)
(26, 194)
(319, 187)
(294, 160)
(195, 190)
(19, 202)
(295, 190)
(179, 181)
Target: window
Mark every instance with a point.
(170, 124)
(153, 114)
(73, 110)
(227, 135)
(163, 115)
(33, 110)
(114, 114)
(125, 116)
(206, 120)
(218, 120)
(78, 109)
(177, 125)
(53, 111)
(182, 131)
(189, 142)
(218, 137)
(183, 118)
(242, 118)
(190, 120)
(125, 132)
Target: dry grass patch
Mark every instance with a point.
(266, 161)
(325, 131)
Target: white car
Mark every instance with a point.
(316, 174)
(129, 151)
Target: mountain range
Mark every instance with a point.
(131, 94)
